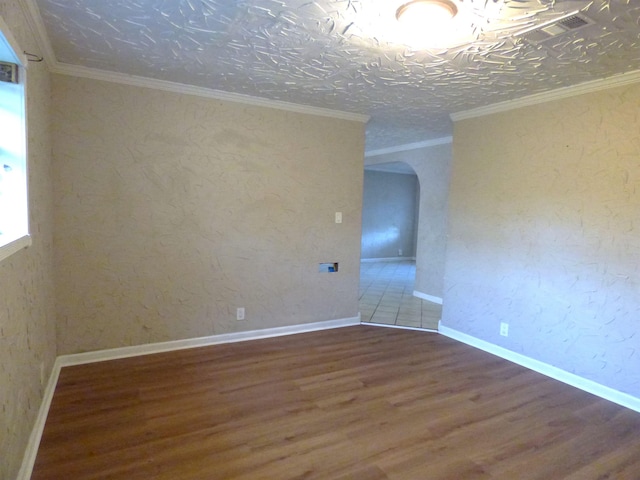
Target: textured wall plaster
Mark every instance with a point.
(544, 234)
(173, 210)
(432, 166)
(27, 316)
(389, 208)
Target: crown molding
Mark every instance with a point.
(553, 95)
(34, 19)
(133, 80)
(396, 168)
(409, 146)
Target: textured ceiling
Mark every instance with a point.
(347, 55)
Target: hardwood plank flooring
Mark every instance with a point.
(361, 403)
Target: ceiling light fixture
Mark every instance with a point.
(426, 14)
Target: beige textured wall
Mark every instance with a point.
(27, 316)
(172, 211)
(544, 234)
(433, 167)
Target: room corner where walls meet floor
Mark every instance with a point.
(386, 296)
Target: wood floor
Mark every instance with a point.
(364, 403)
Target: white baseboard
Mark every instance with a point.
(387, 259)
(31, 451)
(429, 298)
(615, 396)
(125, 352)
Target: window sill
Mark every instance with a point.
(14, 246)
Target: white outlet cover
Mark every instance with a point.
(504, 329)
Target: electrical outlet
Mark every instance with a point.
(399, 252)
(240, 313)
(504, 329)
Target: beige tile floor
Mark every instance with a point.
(386, 296)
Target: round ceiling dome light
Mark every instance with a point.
(426, 14)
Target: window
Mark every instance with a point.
(14, 214)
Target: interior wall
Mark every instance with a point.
(27, 315)
(389, 209)
(544, 234)
(433, 167)
(172, 211)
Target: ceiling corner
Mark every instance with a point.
(613, 81)
(137, 81)
(32, 13)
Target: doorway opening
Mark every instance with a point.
(390, 224)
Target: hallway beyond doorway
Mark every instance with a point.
(386, 296)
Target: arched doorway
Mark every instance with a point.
(390, 218)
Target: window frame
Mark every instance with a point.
(11, 52)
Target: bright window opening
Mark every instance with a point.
(14, 213)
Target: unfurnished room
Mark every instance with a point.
(330, 239)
